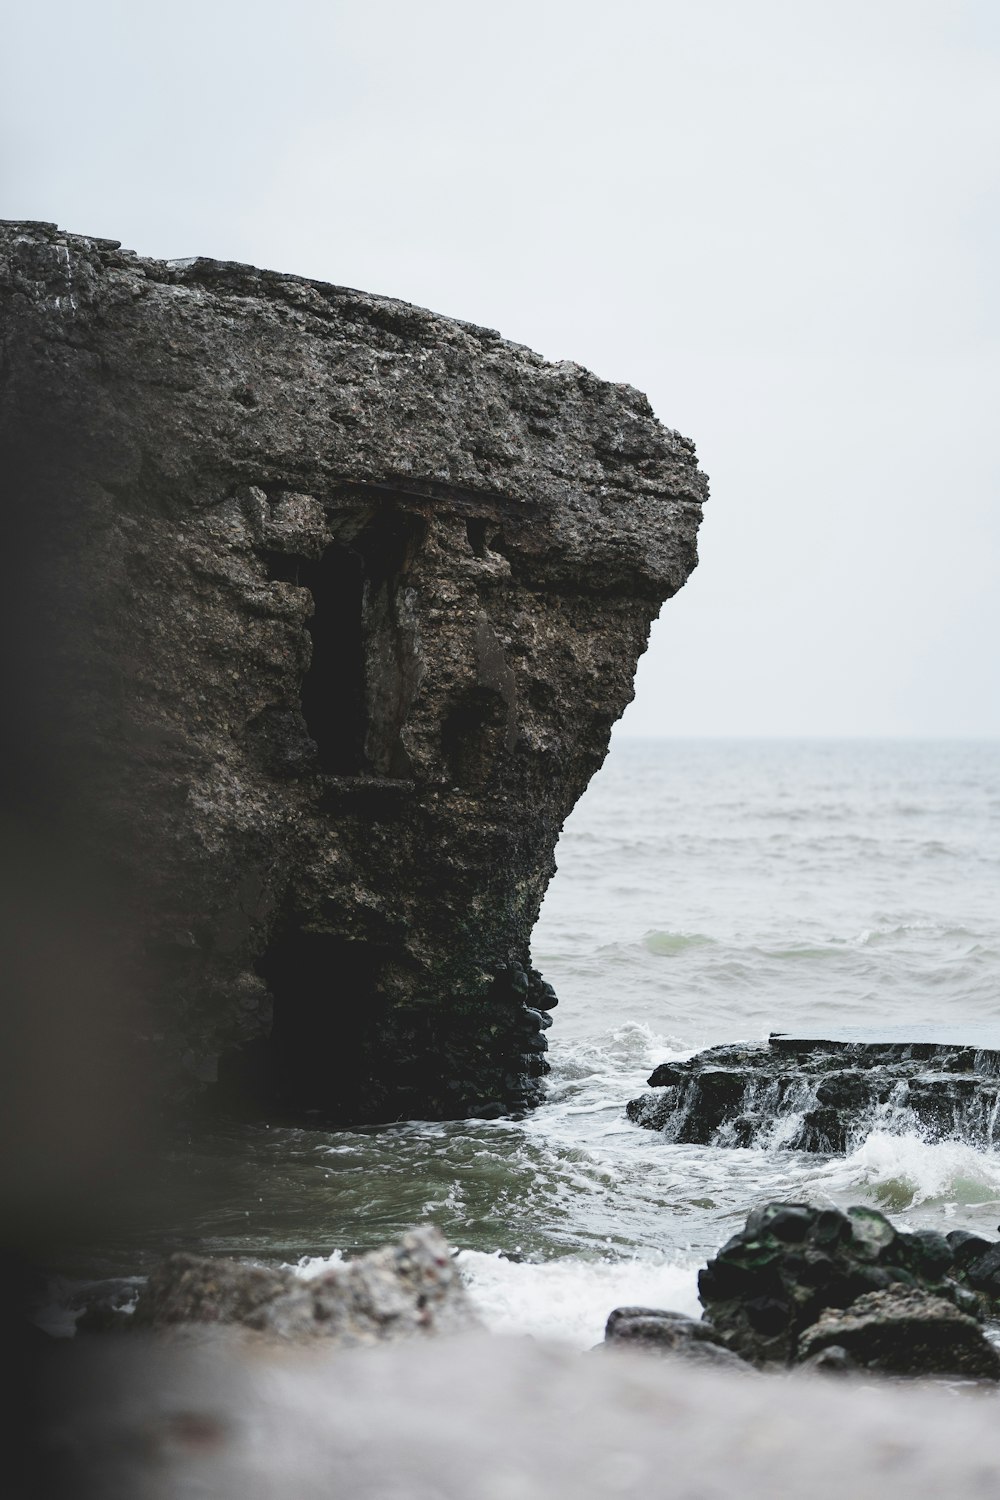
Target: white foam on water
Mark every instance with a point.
(570, 1299)
(311, 1266)
(904, 1170)
(567, 1299)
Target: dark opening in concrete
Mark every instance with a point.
(475, 530)
(333, 689)
(365, 668)
(327, 1007)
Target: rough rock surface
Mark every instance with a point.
(904, 1331)
(663, 1332)
(792, 1263)
(396, 1292)
(338, 601)
(822, 1095)
(487, 1418)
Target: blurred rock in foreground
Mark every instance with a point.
(396, 1292)
(484, 1418)
(659, 1331)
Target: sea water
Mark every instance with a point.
(707, 892)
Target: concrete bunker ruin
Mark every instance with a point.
(365, 781)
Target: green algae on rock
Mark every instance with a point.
(777, 1292)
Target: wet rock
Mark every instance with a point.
(400, 1291)
(792, 1263)
(967, 1247)
(832, 1359)
(102, 1317)
(823, 1096)
(904, 1331)
(983, 1272)
(934, 1252)
(337, 602)
(662, 1332)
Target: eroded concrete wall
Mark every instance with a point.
(337, 602)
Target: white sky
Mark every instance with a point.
(777, 217)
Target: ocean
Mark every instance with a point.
(708, 891)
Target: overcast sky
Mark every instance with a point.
(777, 217)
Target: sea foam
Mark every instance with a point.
(904, 1170)
(570, 1299)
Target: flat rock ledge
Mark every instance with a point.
(326, 606)
(823, 1095)
(399, 1291)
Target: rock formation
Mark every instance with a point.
(799, 1280)
(329, 606)
(401, 1291)
(903, 1331)
(660, 1331)
(825, 1096)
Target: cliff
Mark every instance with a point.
(332, 604)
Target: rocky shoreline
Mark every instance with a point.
(217, 1350)
(799, 1285)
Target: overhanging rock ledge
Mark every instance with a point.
(338, 601)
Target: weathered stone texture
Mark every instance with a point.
(822, 1096)
(339, 600)
(659, 1331)
(904, 1331)
(798, 1279)
(399, 1291)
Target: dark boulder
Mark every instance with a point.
(967, 1247)
(903, 1331)
(832, 1359)
(793, 1263)
(659, 1331)
(983, 1272)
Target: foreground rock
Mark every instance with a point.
(904, 1331)
(481, 1418)
(777, 1290)
(396, 1292)
(326, 607)
(823, 1095)
(658, 1331)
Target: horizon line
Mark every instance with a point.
(934, 739)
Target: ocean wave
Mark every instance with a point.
(311, 1266)
(802, 952)
(570, 1298)
(888, 930)
(668, 944)
(614, 1055)
(905, 1170)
